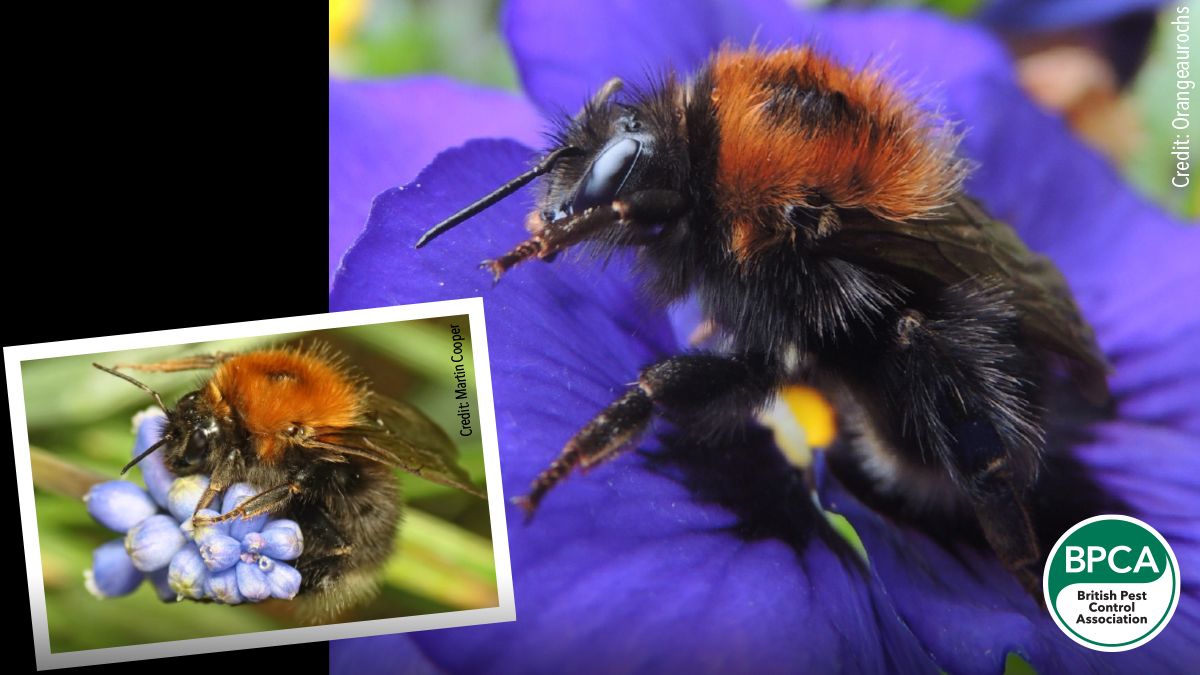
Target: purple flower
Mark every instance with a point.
(689, 558)
(180, 559)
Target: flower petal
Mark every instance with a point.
(962, 605)
(382, 133)
(564, 51)
(1047, 15)
(380, 654)
(1156, 471)
(970, 613)
(632, 574)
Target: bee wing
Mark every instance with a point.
(963, 242)
(400, 436)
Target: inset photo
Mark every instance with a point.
(259, 484)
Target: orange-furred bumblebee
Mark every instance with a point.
(301, 428)
(818, 217)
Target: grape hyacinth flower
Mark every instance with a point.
(227, 562)
(688, 558)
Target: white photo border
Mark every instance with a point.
(472, 307)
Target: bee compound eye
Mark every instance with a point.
(196, 448)
(607, 175)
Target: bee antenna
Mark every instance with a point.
(503, 191)
(145, 454)
(123, 376)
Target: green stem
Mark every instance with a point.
(59, 476)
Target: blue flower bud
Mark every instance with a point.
(112, 573)
(223, 587)
(220, 552)
(153, 542)
(252, 582)
(253, 543)
(201, 533)
(285, 523)
(185, 495)
(283, 542)
(188, 573)
(284, 579)
(155, 474)
(234, 497)
(119, 505)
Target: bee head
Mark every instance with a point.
(609, 158)
(630, 147)
(196, 435)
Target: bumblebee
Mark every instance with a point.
(320, 447)
(819, 218)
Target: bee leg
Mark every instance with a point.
(650, 207)
(222, 474)
(693, 386)
(961, 384)
(641, 210)
(269, 500)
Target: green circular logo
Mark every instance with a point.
(1111, 583)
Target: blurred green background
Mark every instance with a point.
(78, 414)
(1131, 124)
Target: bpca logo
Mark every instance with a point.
(1111, 583)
